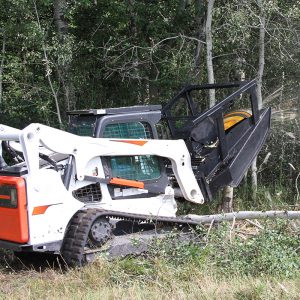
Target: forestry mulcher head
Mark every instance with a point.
(63, 189)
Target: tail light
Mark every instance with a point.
(8, 195)
(13, 210)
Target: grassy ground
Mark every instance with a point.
(103, 280)
(232, 261)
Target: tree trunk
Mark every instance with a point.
(227, 200)
(261, 64)
(200, 31)
(209, 46)
(132, 23)
(63, 66)
(182, 6)
(254, 178)
(227, 195)
(261, 61)
(135, 62)
(59, 20)
(2, 63)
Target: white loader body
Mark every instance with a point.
(50, 205)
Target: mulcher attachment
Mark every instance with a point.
(222, 144)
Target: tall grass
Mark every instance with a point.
(225, 264)
(231, 261)
(107, 280)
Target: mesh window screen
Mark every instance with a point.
(142, 167)
(82, 125)
(134, 130)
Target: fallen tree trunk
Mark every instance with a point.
(242, 215)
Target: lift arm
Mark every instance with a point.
(84, 149)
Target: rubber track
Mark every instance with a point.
(76, 237)
(77, 233)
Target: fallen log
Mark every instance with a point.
(242, 215)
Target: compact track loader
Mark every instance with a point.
(65, 190)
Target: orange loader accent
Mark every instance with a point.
(14, 221)
(134, 142)
(40, 210)
(127, 182)
(234, 117)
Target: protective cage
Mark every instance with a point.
(221, 151)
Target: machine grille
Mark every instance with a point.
(88, 193)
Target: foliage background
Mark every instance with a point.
(57, 55)
(104, 53)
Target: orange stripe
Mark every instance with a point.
(39, 210)
(6, 197)
(127, 182)
(134, 142)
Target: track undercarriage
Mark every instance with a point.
(92, 228)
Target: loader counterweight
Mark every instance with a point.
(13, 210)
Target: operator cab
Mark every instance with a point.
(93, 122)
(135, 122)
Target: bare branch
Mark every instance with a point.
(48, 68)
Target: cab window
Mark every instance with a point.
(138, 167)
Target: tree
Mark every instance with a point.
(2, 62)
(64, 50)
(260, 73)
(209, 46)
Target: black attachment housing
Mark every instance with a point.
(219, 157)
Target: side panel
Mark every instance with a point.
(14, 220)
(50, 207)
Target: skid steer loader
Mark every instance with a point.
(63, 189)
